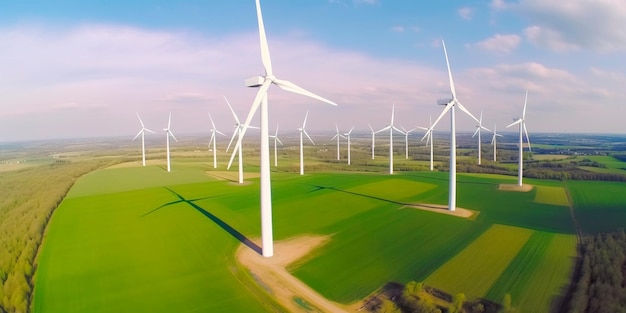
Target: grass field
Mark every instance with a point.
(599, 206)
(141, 239)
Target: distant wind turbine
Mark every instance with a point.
(168, 133)
(347, 135)
(478, 128)
(338, 135)
(429, 137)
(493, 141)
(213, 140)
(303, 131)
(373, 139)
(264, 82)
(406, 140)
(276, 141)
(522, 128)
(143, 144)
(391, 128)
(450, 105)
(237, 132)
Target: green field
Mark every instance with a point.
(141, 239)
(599, 206)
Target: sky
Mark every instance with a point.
(81, 69)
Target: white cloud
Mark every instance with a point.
(500, 43)
(465, 13)
(595, 25)
(398, 29)
(370, 2)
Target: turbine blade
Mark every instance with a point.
(276, 134)
(219, 132)
(514, 123)
(466, 111)
(289, 86)
(140, 121)
(445, 110)
(476, 131)
(384, 129)
(449, 71)
(337, 128)
(212, 124)
(393, 110)
(398, 130)
(265, 51)
(351, 129)
(149, 131)
(169, 121)
(524, 111)
(233, 111)
(493, 139)
(334, 136)
(255, 105)
(172, 134)
(527, 138)
(232, 138)
(278, 139)
(371, 129)
(305, 117)
(307, 136)
(141, 131)
(212, 138)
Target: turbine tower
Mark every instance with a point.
(406, 141)
(522, 128)
(338, 136)
(478, 128)
(143, 144)
(373, 139)
(213, 140)
(450, 105)
(391, 128)
(276, 141)
(493, 141)
(264, 82)
(429, 137)
(347, 135)
(168, 133)
(303, 131)
(237, 132)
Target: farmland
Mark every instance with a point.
(138, 238)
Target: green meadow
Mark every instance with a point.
(141, 239)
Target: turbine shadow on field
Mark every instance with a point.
(319, 187)
(232, 231)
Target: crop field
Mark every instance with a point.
(599, 206)
(141, 239)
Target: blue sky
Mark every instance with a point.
(83, 68)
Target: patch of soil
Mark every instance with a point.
(443, 209)
(515, 187)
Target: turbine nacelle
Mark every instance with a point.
(255, 81)
(444, 101)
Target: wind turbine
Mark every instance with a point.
(347, 135)
(450, 105)
(237, 132)
(406, 140)
(338, 136)
(143, 145)
(429, 137)
(264, 82)
(276, 141)
(391, 128)
(303, 131)
(493, 141)
(168, 133)
(478, 128)
(373, 139)
(522, 126)
(213, 140)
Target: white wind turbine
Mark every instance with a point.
(213, 140)
(406, 141)
(237, 132)
(338, 135)
(478, 128)
(168, 133)
(143, 144)
(373, 139)
(276, 142)
(522, 128)
(450, 105)
(493, 141)
(391, 128)
(429, 137)
(264, 82)
(303, 131)
(347, 135)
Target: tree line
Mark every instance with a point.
(28, 198)
(600, 285)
